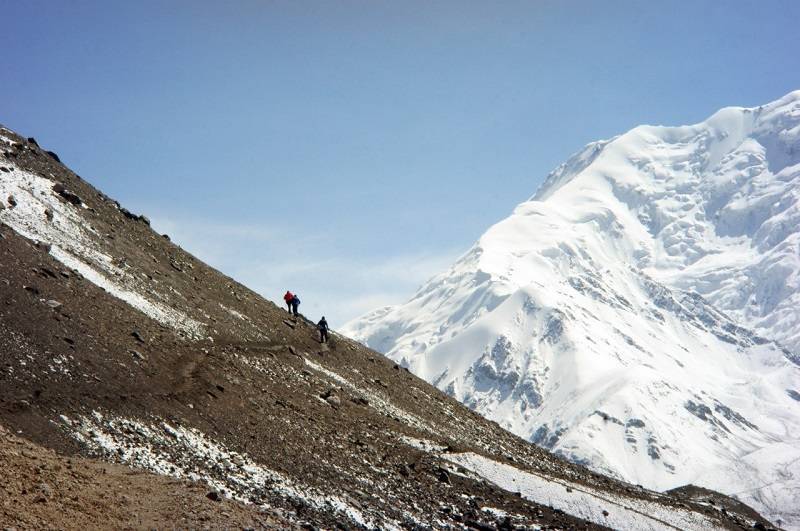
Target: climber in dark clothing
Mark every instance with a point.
(322, 326)
(295, 303)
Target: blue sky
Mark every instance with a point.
(349, 150)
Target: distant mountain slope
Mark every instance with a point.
(117, 344)
(624, 315)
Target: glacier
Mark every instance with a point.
(638, 314)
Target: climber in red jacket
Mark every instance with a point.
(288, 298)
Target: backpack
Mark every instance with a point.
(296, 300)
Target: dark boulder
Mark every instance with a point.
(128, 214)
(135, 217)
(506, 524)
(68, 196)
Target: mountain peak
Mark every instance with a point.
(641, 288)
(716, 135)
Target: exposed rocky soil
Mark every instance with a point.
(206, 380)
(41, 490)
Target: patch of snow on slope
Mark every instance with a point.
(581, 501)
(375, 400)
(160, 312)
(234, 313)
(187, 453)
(71, 241)
(421, 444)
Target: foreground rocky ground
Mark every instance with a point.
(116, 344)
(42, 490)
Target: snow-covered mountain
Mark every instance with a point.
(639, 314)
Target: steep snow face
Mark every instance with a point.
(623, 315)
(720, 205)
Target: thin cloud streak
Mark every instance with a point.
(340, 286)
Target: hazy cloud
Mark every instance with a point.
(330, 282)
